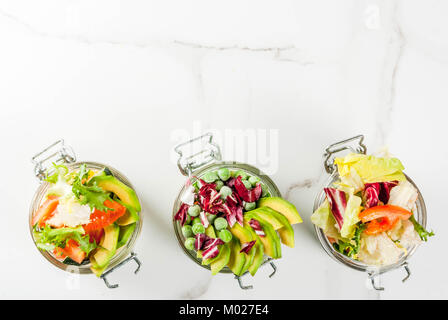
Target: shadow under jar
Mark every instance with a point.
(197, 165)
(356, 145)
(60, 153)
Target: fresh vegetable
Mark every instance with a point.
(79, 221)
(338, 202)
(423, 234)
(71, 250)
(100, 219)
(371, 169)
(365, 214)
(45, 210)
(218, 221)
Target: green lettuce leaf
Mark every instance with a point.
(60, 170)
(351, 248)
(89, 194)
(49, 238)
(351, 216)
(370, 168)
(323, 218)
(424, 234)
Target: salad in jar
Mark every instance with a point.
(85, 217)
(368, 213)
(229, 219)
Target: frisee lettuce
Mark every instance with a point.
(89, 194)
(351, 248)
(48, 238)
(424, 234)
(60, 170)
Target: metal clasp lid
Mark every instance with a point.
(133, 256)
(240, 282)
(354, 144)
(189, 163)
(58, 153)
(373, 276)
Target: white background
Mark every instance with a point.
(117, 80)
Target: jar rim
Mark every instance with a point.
(272, 188)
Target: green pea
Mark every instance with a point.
(249, 206)
(196, 221)
(220, 223)
(241, 173)
(225, 235)
(194, 210)
(253, 180)
(211, 217)
(224, 174)
(219, 184)
(225, 191)
(198, 228)
(189, 243)
(210, 177)
(187, 231)
(247, 184)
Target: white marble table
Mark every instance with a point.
(124, 81)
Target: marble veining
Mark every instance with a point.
(315, 71)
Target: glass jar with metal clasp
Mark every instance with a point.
(196, 165)
(60, 153)
(356, 145)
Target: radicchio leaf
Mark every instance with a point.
(210, 253)
(376, 192)
(247, 195)
(204, 220)
(181, 214)
(338, 202)
(209, 198)
(245, 247)
(371, 194)
(200, 240)
(257, 227)
(229, 214)
(386, 187)
(212, 242)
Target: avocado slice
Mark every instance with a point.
(270, 241)
(245, 234)
(237, 260)
(241, 233)
(284, 207)
(112, 184)
(258, 258)
(265, 213)
(95, 269)
(131, 215)
(258, 254)
(278, 221)
(107, 249)
(222, 261)
(210, 231)
(125, 233)
(249, 259)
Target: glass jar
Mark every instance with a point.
(60, 153)
(356, 145)
(198, 164)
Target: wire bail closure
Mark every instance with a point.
(58, 153)
(210, 152)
